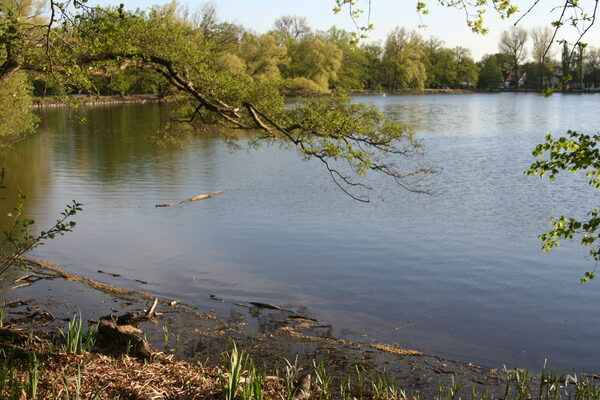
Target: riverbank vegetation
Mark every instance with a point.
(69, 364)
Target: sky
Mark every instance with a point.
(447, 24)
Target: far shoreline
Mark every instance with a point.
(84, 99)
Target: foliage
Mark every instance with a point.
(304, 86)
(403, 61)
(315, 59)
(356, 67)
(16, 118)
(575, 153)
(262, 56)
(334, 130)
(592, 67)
(18, 238)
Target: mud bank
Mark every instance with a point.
(44, 297)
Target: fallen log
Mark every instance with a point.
(195, 198)
(22, 285)
(268, 306)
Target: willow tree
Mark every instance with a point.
(403, 60)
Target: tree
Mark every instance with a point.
(18, 28)
(579, 63)
(439, 65)
(403, 61)
(542, 53)
(314, 58)
(355, 71)
(467, 71)
(592, 67)
(372, 53)
(566, 64)
(492, 67)
(512, 42)
(292, 27)
(262, 56)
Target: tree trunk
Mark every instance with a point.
(8, 68)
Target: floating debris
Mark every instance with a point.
(195, 198)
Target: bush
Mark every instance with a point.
(17, 118)
(305, 86)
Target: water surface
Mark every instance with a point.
(459, 274)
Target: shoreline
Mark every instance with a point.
(56, 101)
(203, 337)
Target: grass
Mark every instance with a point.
(2, 314)
(77, 338)
(290, 376)
(230, 380)
(34, 376)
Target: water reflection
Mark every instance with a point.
(459, 273)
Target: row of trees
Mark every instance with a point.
(578, 67)
(305, 60)
(321, 61)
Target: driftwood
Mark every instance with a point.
(150, 313)
(195, 198)
(268, 306)
(27, 280)
(18, 303)
(109, 273)
(40, 318)
(22, 285)
(135, 318)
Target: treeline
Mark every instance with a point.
(309, 61)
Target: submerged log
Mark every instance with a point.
(195, 198)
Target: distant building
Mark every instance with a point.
(511, 82)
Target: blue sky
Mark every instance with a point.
(446, 24)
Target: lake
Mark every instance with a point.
(458, 274)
